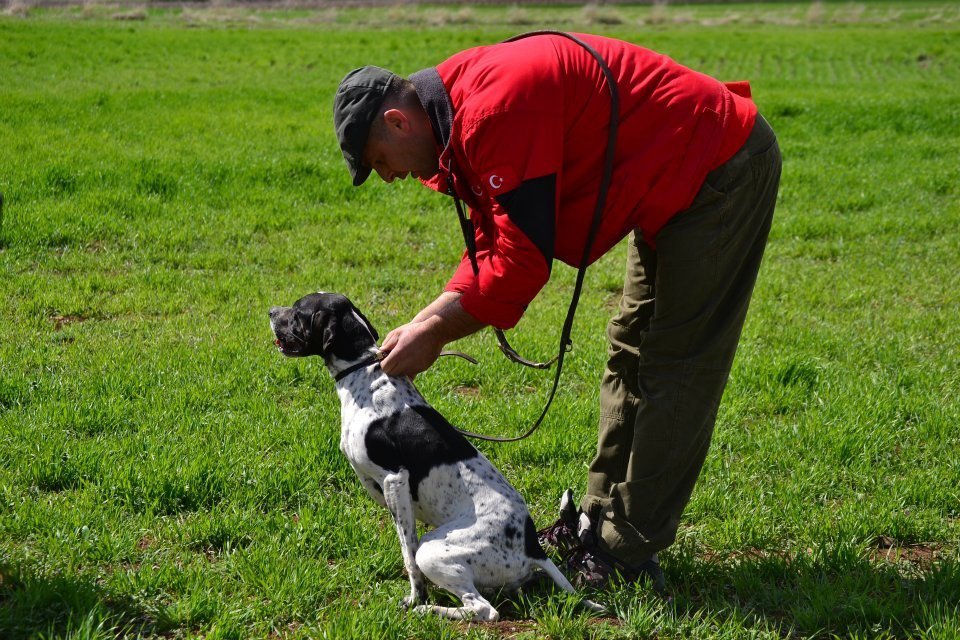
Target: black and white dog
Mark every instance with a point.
(413, 462)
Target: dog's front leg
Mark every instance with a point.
(396, 493)
(375, 491)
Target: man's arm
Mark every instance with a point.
(415, 346)
(434, 307)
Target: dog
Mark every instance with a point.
(417, 465)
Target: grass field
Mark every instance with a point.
(169, 174)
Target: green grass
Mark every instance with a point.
(164, 472)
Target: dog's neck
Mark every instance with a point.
(341, 369)
(362, 386)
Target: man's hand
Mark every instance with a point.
(416, 345)
(412, 348)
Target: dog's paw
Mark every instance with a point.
(412, 600)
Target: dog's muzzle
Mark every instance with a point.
(287, 343)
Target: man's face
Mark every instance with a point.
(389, 159)
(398, 151)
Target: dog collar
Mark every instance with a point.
(380, 355)
(366, 362)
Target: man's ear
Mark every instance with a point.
(396, 121)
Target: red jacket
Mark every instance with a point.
(525, 143)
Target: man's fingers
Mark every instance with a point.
(390, 364)
(406, 352)
(390, 341)
(396, 365)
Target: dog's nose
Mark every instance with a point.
(274, 311)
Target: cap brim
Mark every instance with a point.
(360, 175)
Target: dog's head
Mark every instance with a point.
(325, 325)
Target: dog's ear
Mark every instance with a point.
(324, 325)
(329, 338)
(363, 318)
(342, 332)
(354, 334)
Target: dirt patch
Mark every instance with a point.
(60, 321)
(507, 629)
(467, 391)
(891, 550)
(133, 15)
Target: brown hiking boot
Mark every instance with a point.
(574, 539)
(596, 569)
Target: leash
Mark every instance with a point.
(378, 357)
(466, 227)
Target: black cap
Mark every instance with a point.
(358, 98)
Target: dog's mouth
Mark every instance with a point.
(290, 346)
(287, 340)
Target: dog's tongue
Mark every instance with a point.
(277, 342)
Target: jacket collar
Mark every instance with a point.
(435, 100)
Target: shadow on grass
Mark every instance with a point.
(837, 592)
(36, 606)
(820, 594)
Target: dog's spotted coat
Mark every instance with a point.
(414, 463)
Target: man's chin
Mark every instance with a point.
(425, 176)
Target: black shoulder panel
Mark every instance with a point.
(417, 439)
(532, 207)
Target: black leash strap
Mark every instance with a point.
(466, 227)
(566, 344)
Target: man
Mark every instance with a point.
(520, 130)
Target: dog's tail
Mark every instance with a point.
(561, 581)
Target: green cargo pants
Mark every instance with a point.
(671, 349)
